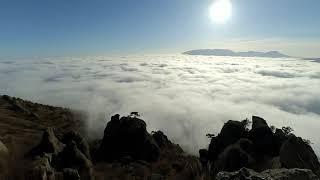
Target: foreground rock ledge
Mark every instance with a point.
(272, 174)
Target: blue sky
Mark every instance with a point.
(98, 27)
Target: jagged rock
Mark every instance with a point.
(40, 169)
(4, 158)
(128, 137)
(81, 143)
(261, 135)
(48, 144)
(258, 122)
(165, 144)
(279, 137)
(295, 153)
(230, 133)
(70, 174)
(161, 139)
(235, 156)
(272, 174)
(72, 157)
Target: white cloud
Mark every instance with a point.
(185, 96)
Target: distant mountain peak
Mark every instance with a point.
(228, 52)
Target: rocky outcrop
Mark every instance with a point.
(161, 139)
(235, 156)
(72, 157)
(261, 136)
(128, 151)
(279, 137)
(80, 142)
(165, 144)
(296, 153)
(259, 148)
(48, 144)
(128, 137)
(52, 156)
(230, 133)
(273, 174)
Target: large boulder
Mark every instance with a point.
(279, 137)
(262, 137)
(296, 153)
(235, 156)
(72, 157)
(4, 158)
(161, 139)
(165, 144)
(81, 143)
(48, 144)
(272, 174)
(231, 132)
(128, 137)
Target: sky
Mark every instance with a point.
(99, 27)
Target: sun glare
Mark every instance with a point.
(220, 11)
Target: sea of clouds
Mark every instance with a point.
(184, 96)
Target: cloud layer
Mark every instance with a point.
(185, 96)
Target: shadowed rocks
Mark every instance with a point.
(72, 157)
(295, 153)
(52, 156)
(261, 136)
(272, 174)
(235, 156)
(259, 148)
(81, 143)
(127, 136)
(230, 133)
(48, 144)
(128, 151)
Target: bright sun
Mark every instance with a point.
(220, 11)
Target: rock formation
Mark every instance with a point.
(48, 144)
(128, 151)
(53, 155)
(261, 149)
(127, 136)
(273, 174)
(296, 153)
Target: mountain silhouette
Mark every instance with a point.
(227, 52)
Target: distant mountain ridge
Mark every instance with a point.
(228, 52)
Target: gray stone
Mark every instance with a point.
(272, 174)
(48, 144)
(295, 153)
(128, 137)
